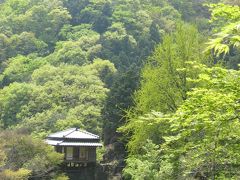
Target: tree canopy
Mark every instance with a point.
(154, 79)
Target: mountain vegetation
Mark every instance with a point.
(159, 81)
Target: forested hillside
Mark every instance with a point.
(158, 80)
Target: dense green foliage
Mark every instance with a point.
(166, 87)
(198, 138)
(164, 84)
(135, 64)
(229, 34)
(226, 41)
(59, 97)
(26, 157)
(201, 137)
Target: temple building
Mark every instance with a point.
(79, 147)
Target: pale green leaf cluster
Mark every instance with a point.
(226, 19)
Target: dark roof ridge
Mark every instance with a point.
(87, 132)
(73, 129)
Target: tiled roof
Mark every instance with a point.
(74, 133)
(62, 143)
(73, 137)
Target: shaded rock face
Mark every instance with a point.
(113, 160)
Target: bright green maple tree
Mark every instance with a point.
(226, 20)
(201, 137)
